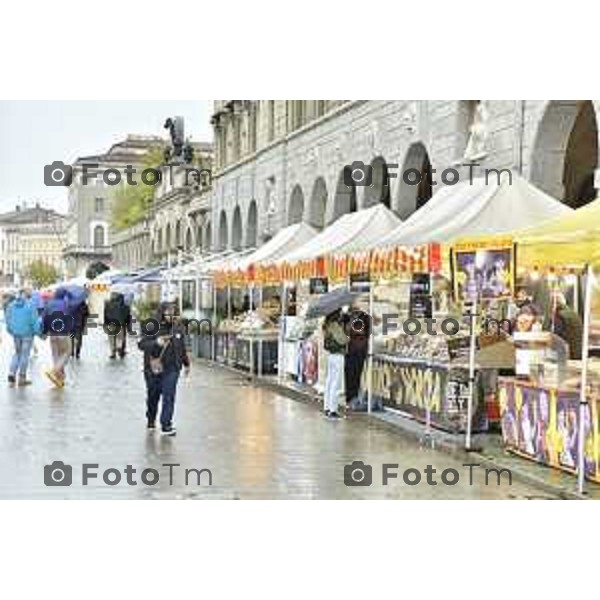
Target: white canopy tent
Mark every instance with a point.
(352, 232)
(476, 209)
(284, 241)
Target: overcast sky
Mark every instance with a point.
(35, 133)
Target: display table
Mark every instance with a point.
(418, 386)
(251, 346)
(542, 423)
(226, 346)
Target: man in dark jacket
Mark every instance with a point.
(80, 317)
(568, 325)
(116, 320)
(164, 356)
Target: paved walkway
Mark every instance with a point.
(256, 443)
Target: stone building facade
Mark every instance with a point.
(28, 234)
(89, 238)
(279, 162)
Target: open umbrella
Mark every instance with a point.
(328, 303)
(77, 293)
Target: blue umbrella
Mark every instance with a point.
(77, 293)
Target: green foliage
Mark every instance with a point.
(41, 273)
(145, 309)
(95, 269)
(131, 201)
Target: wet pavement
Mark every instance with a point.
(257, 444)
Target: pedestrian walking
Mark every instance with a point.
(80, 317)
(165, 355)
(358, 329)
(117, 314)
(58, 325)
(22, 323)
(335, 343)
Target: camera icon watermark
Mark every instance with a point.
(58, 174)
(358, 473)
(358, 323)
(358, 174)
(57, 474)
(60, 324)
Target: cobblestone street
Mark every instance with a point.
(257, 444)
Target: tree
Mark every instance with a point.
(131, 201)
(41, 273)
(95, 269)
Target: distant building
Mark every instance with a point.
(28, 235)
(178, 217)
(90, 203)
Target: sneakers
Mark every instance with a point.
(168, 431)
(11, 381)
(151, 425)
(333, 415)
(326, 412)
(55, 378)
(23, 381)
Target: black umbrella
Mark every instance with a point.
(328, 303)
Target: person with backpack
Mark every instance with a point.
(335, 342)
(22, 324)
(58, 325)
(165, 355)
(117, 315)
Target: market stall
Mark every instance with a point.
(253, 331)
(446, 380)
(552, 415)
(335, 257)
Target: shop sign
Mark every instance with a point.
(318, 285)
(360, 282)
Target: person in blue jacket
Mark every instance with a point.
(22, 323)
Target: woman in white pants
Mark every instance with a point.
(335, 342)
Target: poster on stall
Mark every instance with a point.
(483, 270)
(543, 425)
(420, 304)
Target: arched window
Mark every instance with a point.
(99, 240)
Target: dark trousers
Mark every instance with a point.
(76, 342)
(165, 386)
(353, 367)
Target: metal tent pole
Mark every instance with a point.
(583, 400)
(472, 348)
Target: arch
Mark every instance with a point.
(345, 195)
(317, 209)
(411, 196)
(236, 229)
(168, 239)
(99, 236)
(199, 238)
(208, 244)
(178, 234)
(223, 233)
(565, 151)
(296, 210)
(252, 225)
(189, 239)
(379, 190)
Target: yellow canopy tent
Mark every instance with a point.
(570, 240)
